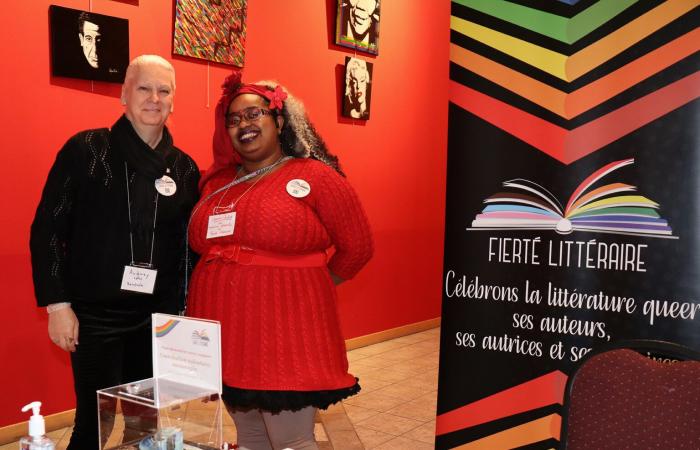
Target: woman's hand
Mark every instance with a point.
(63, 328)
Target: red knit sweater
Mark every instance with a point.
(280, 328)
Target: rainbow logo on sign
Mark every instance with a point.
(166, 328)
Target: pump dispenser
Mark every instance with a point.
(37, 439)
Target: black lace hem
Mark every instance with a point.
(276, 401)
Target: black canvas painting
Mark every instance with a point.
(88, 45)
(357, 25)
(358, 88)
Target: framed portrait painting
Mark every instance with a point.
(357, 25)
(88, 45)
(213, 30)
(358, 88)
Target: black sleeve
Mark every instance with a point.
(48, 241)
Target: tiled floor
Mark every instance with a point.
(394, 410)
(396, 407)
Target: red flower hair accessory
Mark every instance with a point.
(275, 96)
(231, 84)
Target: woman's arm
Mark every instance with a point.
(49, 247)
(48, 240)
(339, 209)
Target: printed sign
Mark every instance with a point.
(187, 351)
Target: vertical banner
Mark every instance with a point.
(573, 203)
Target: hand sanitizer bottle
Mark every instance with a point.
(36, 439)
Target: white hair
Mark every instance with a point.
(297, 120)
(145, 60)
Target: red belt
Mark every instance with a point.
(252, 257)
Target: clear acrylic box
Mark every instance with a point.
(159, 414)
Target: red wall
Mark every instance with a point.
(396, 160)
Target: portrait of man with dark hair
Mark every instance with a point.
(358, 25)
(358, 82)
(90, 38)
(88, 45)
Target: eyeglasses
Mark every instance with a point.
(250, 114)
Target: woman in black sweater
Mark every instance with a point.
(116, 202)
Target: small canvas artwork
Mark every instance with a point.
(213, 30)
(358, 88)
(357, 25)
(88, 45)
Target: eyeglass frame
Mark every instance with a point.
(241, 115)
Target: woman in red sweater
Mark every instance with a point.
(273, 204)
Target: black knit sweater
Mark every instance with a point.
(80, 235)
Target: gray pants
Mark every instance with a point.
(262, 430)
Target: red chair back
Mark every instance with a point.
(621, 399)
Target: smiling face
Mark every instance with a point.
(90, 41)
(257, 141)
(148, 96)
(361, 15)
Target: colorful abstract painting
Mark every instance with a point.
(213, 30)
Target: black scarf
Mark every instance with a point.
(145, 164)
(147, 161)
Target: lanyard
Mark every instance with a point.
(254, 174)
(236, 181)
(131, 234)
(232, 206)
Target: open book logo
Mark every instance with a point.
(606, 209)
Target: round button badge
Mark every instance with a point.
(166, 186)
(298, 188)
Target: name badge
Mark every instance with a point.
(298, 188)
(139, 279)
(166, 186)
(221, 225)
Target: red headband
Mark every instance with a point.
(276, 97)
(224, 153)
